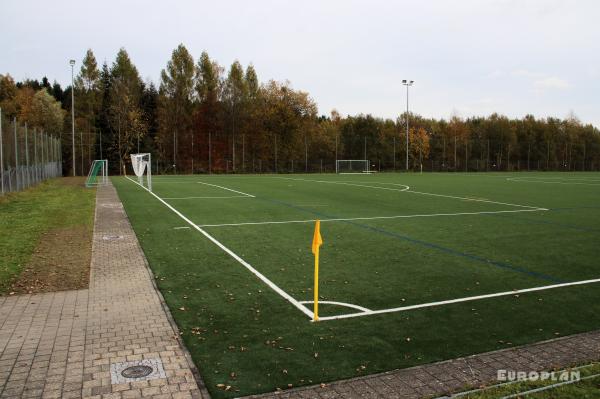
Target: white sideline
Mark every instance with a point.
(458, 300)
(408, 190)
(186, 198)
(372, 218)
(264, 279)
(228, 189)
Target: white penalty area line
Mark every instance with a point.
(458, 300)
(216, 197)
(407, 189)
(264, 279)
(565, 182)
(373, 218)
(479, 200)
(228, 189)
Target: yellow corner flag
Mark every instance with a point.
(317, 242)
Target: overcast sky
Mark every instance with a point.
(466, 57)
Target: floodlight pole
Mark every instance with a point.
(72, 63)
(407, 83)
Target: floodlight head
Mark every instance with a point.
(403, 81)
(72, 62)
(412, 81)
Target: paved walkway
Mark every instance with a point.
(75, 344)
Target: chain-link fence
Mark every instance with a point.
(27, 156)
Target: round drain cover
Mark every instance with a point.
(110, 237)
(136, 371)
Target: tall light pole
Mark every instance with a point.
(407, 83)
(72, 62)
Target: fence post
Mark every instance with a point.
(43, 164)
(1, 155)
(53, 150)
(55, 157)
(16, 156)
(36, 168)
(47, 156)
(27, 158)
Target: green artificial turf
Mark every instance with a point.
(244, 335)
(26, 215)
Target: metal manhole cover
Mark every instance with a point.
(137, 371)
(112, 205)
(110, 237)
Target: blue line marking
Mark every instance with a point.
(502, 265)
(534, 221)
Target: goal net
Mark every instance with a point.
(352, 166)
(98, 174)
(142, 167)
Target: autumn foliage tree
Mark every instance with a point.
(206, 118)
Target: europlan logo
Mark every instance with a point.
(561, 376)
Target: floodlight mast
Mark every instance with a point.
(72, 63)
(407, 83)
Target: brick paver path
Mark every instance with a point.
(62, 345)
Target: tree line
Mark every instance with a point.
(203, 118)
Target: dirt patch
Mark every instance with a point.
(61, 261)
(72, 181)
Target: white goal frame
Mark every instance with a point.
(354, 166)
(142, 166)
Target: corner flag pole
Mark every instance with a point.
(317, 242)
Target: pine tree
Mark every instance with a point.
(126, 121)
(208, 116)
(176, 95)
(235, 95)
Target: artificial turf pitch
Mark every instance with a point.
(396, 240)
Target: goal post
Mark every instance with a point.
(352, 166)
(142, 168)
(98, 174)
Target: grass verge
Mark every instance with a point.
(587, 387)
(46, 234)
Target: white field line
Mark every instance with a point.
(264, 279)
(408, 190)
(186, 198)
(173, 181)
(181, 228)
(372, 218)
(592, 179)
(343, 304)
(530, 180)
(347, 184)
(459, 300)
(228, 189)
(479, 200)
